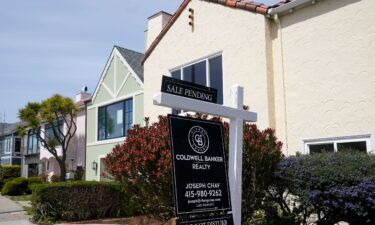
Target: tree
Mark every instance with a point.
(51, 112)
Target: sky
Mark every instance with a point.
(49, 47)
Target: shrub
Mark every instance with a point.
(78, 200)
(78, 174)
(55, 178)
(17, 186)
(334, 186)
(143, 165)
(8, 172)
(32, 181)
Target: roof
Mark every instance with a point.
(9, 128)
(240, 4)
(134, 60)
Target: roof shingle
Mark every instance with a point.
(134, 60)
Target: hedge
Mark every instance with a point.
(79, 200)
(17, 186)
(8, 172)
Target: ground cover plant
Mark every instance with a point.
(143, 165)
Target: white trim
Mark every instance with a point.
(108, 141)
(108, 90)
(115, 78)
(116, 99)
(213, 55)
(102, 75)
(134, 74)
(289, 6)
(98, 169)
(336, 140)
(123, 83)
(113, 53)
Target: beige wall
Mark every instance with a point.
(313, 78)
(326, 53)
(238, 34)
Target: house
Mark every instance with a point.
(307, 66)
(10, 144)
(75, 155)
(117, 104)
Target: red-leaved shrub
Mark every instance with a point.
(143, 165)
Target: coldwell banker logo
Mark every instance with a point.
(198, 139)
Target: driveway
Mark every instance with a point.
(12, 213)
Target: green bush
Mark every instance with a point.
(78, 174)
(18, 186)
(7, 172)
(33, 181)
(78, 200)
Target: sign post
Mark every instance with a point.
(237, 116)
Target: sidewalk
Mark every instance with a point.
(12, 213)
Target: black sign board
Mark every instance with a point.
(226, 220)
(187, 89)
(199, 168)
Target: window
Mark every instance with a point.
(360, 143)
(8, 144)
(115, 120)
(17, 145)
(32, 143)
(208, 72)
(49, 134)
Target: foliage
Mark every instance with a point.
(334, 186)
(78, 200)
(33, 181)
(79, 173)
(55, 178)
(52, 112)
(9, 172)
(17, 186)
(143, 165)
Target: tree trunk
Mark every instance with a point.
(62, 170)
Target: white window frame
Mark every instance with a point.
(9, 144)
(206, 59)
(337, 140)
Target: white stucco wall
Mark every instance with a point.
(238, 34)
(327, 57)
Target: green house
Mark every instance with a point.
(116, 105)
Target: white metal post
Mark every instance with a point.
(235, 154)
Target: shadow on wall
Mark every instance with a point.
(320, 8)
(76, 152)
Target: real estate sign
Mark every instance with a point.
(186, 89)
(225, 220)
(199, 166)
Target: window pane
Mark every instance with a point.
(216, 77)
(358, 145)
(115, 120)
(17, 146)
(101, 123)
(319, 148)
(196, 73)
(128, 114)
(176, 74)
(49, 133)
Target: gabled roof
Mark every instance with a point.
(134, 60)
(130, 58)
(9, 128)
(240, 4)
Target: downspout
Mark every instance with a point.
(280, 34)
